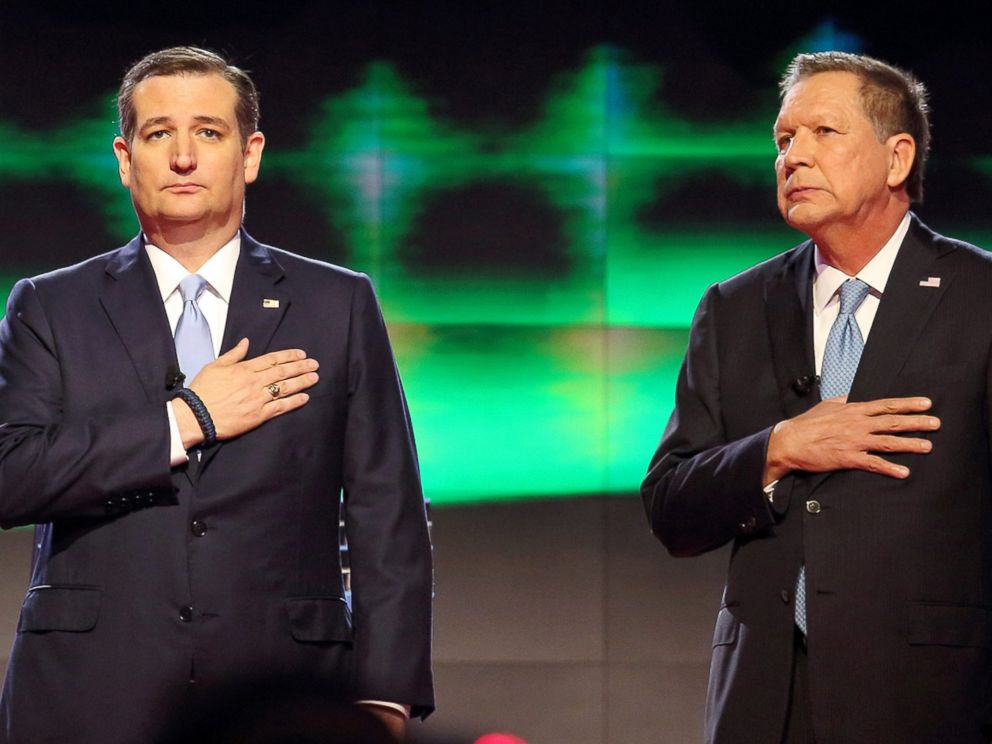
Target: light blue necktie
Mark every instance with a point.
(194, 345)
(840, 363)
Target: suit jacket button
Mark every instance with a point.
(784, 594)
(748, 525)
(198, 528)
(813, 506)
(186, 614)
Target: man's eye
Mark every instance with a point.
(210, 133)
(157, 134)
(825, 130)
(783, 142)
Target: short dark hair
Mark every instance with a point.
(188, 60)
(893, 100)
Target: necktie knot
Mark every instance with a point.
(852, 294)
(192, 287)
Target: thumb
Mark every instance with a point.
(235, 354)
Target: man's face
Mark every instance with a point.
(186, 165)
(830, 168)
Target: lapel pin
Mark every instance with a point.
(275, 303)
(930, 281)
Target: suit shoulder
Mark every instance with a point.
(82, 271)
(753, 279)
(312, 269)
(967, 255)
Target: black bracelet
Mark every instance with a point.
(202, 415)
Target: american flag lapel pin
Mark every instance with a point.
(271, 304)
(930, 281)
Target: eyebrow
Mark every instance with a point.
(213, 120)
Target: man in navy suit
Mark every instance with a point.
(832, 421)
(187, 534)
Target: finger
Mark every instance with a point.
(891, 422)
(286, 370)
(279, 406)
(259, 364)
(899, 444)
(881, 466)
(895, 405)
(235, 354)
(294, 385)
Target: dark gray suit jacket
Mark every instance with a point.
(899, 573)
(129, 601)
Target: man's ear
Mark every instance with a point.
(122, 152)
(902, 155)
(253, 156)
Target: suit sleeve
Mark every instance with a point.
(53, 466)
(385, 522)
(702, 490)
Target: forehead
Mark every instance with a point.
(834, 95)
(178, 96)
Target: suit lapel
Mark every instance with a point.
(790, 329)
(256, 307)
(902, 314)
(132, 302)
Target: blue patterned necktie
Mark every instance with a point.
(194, 345)
(840, 363)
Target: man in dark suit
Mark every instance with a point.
(183, 542)
(858, 606)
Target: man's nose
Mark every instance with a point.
(800, 149)
(183, 155)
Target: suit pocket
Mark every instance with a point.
(73, 609)
(316, 619)
(950, 625)
(727, 627)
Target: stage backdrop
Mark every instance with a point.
(539, 220)
(541, 193)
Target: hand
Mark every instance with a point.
(234, 391)
(837, 435)
(393, 720)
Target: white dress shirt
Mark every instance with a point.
(826, 290)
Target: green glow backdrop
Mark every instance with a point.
(539, 272)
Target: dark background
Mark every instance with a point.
(559, 618)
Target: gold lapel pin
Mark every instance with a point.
(269, 303)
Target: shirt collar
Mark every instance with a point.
(218, 270)
(875, 273)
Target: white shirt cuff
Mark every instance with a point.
(404, 709)
(177, 453)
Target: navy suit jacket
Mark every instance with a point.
(899, 572)
(128, 600)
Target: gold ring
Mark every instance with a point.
(273, 389)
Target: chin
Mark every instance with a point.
(802, 217)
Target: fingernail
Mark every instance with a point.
(903, 472)
(926, 445)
